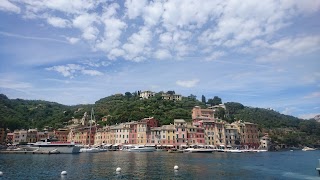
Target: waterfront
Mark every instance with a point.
(159, 165)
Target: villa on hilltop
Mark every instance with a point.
(164, 96)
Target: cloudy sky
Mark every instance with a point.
(260, 53)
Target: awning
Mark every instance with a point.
(115, 145)
(169, 145)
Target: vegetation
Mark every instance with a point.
(18, 114)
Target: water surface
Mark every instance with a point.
(159, 165)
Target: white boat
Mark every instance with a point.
(198, 150)
(142, 149)
(233, 150)
(308, 149)
(90, 149)
(56, 147)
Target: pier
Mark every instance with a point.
(27, 152)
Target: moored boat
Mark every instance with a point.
(198, 150)
(56, 147)
(142, 149)
(308, 149)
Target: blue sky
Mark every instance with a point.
(260, 53)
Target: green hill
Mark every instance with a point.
(18, 114)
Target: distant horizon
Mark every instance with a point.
(260, 53)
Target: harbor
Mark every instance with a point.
(160, 165)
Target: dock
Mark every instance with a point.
(27, 152)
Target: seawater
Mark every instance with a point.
(159, 165)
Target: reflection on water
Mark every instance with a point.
(159, 165)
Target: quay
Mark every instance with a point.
(27, 152)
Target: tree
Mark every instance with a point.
(171, 92)
(203, 99)
(128, 95)
(215, 101)
(192, 97)
(220, 113)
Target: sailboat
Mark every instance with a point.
(90, 149)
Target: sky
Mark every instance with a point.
(259, 53)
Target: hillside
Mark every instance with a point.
(18, 113)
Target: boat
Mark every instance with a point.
(142, 149)
(175, 151)
(233, 151)
(308, 149)
(89, 148)
(55, 147)
(198, 150)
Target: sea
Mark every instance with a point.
(160, 165)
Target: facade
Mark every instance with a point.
(172, 97)
(20, 136)
(181, 133)
(204, 130)
(155, 136)
(197, 112)
(168, 136)
(232, 135)
(146, 94)
(248, 134)
(10, 138)
(265, 142)
(61, 134)
(32, 136)
(209, 131)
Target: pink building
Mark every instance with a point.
(133, 133)
(181, 133)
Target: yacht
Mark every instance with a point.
(89, 150)
(55, 147)
(198, 150)
(142, 149)
(308, 149)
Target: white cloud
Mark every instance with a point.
(187, 83)
(162, 54)
(138, 46)
(288, 110)
(308, 116)
(152, 13)
(73, 40)
(215, 55)
(70, 70)
(113, 28)
(290, 47)
(91, 72)
(85, 22)
(58, 22)
(67, 71)
(135, 7)
(6, 5)
(68, 7)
